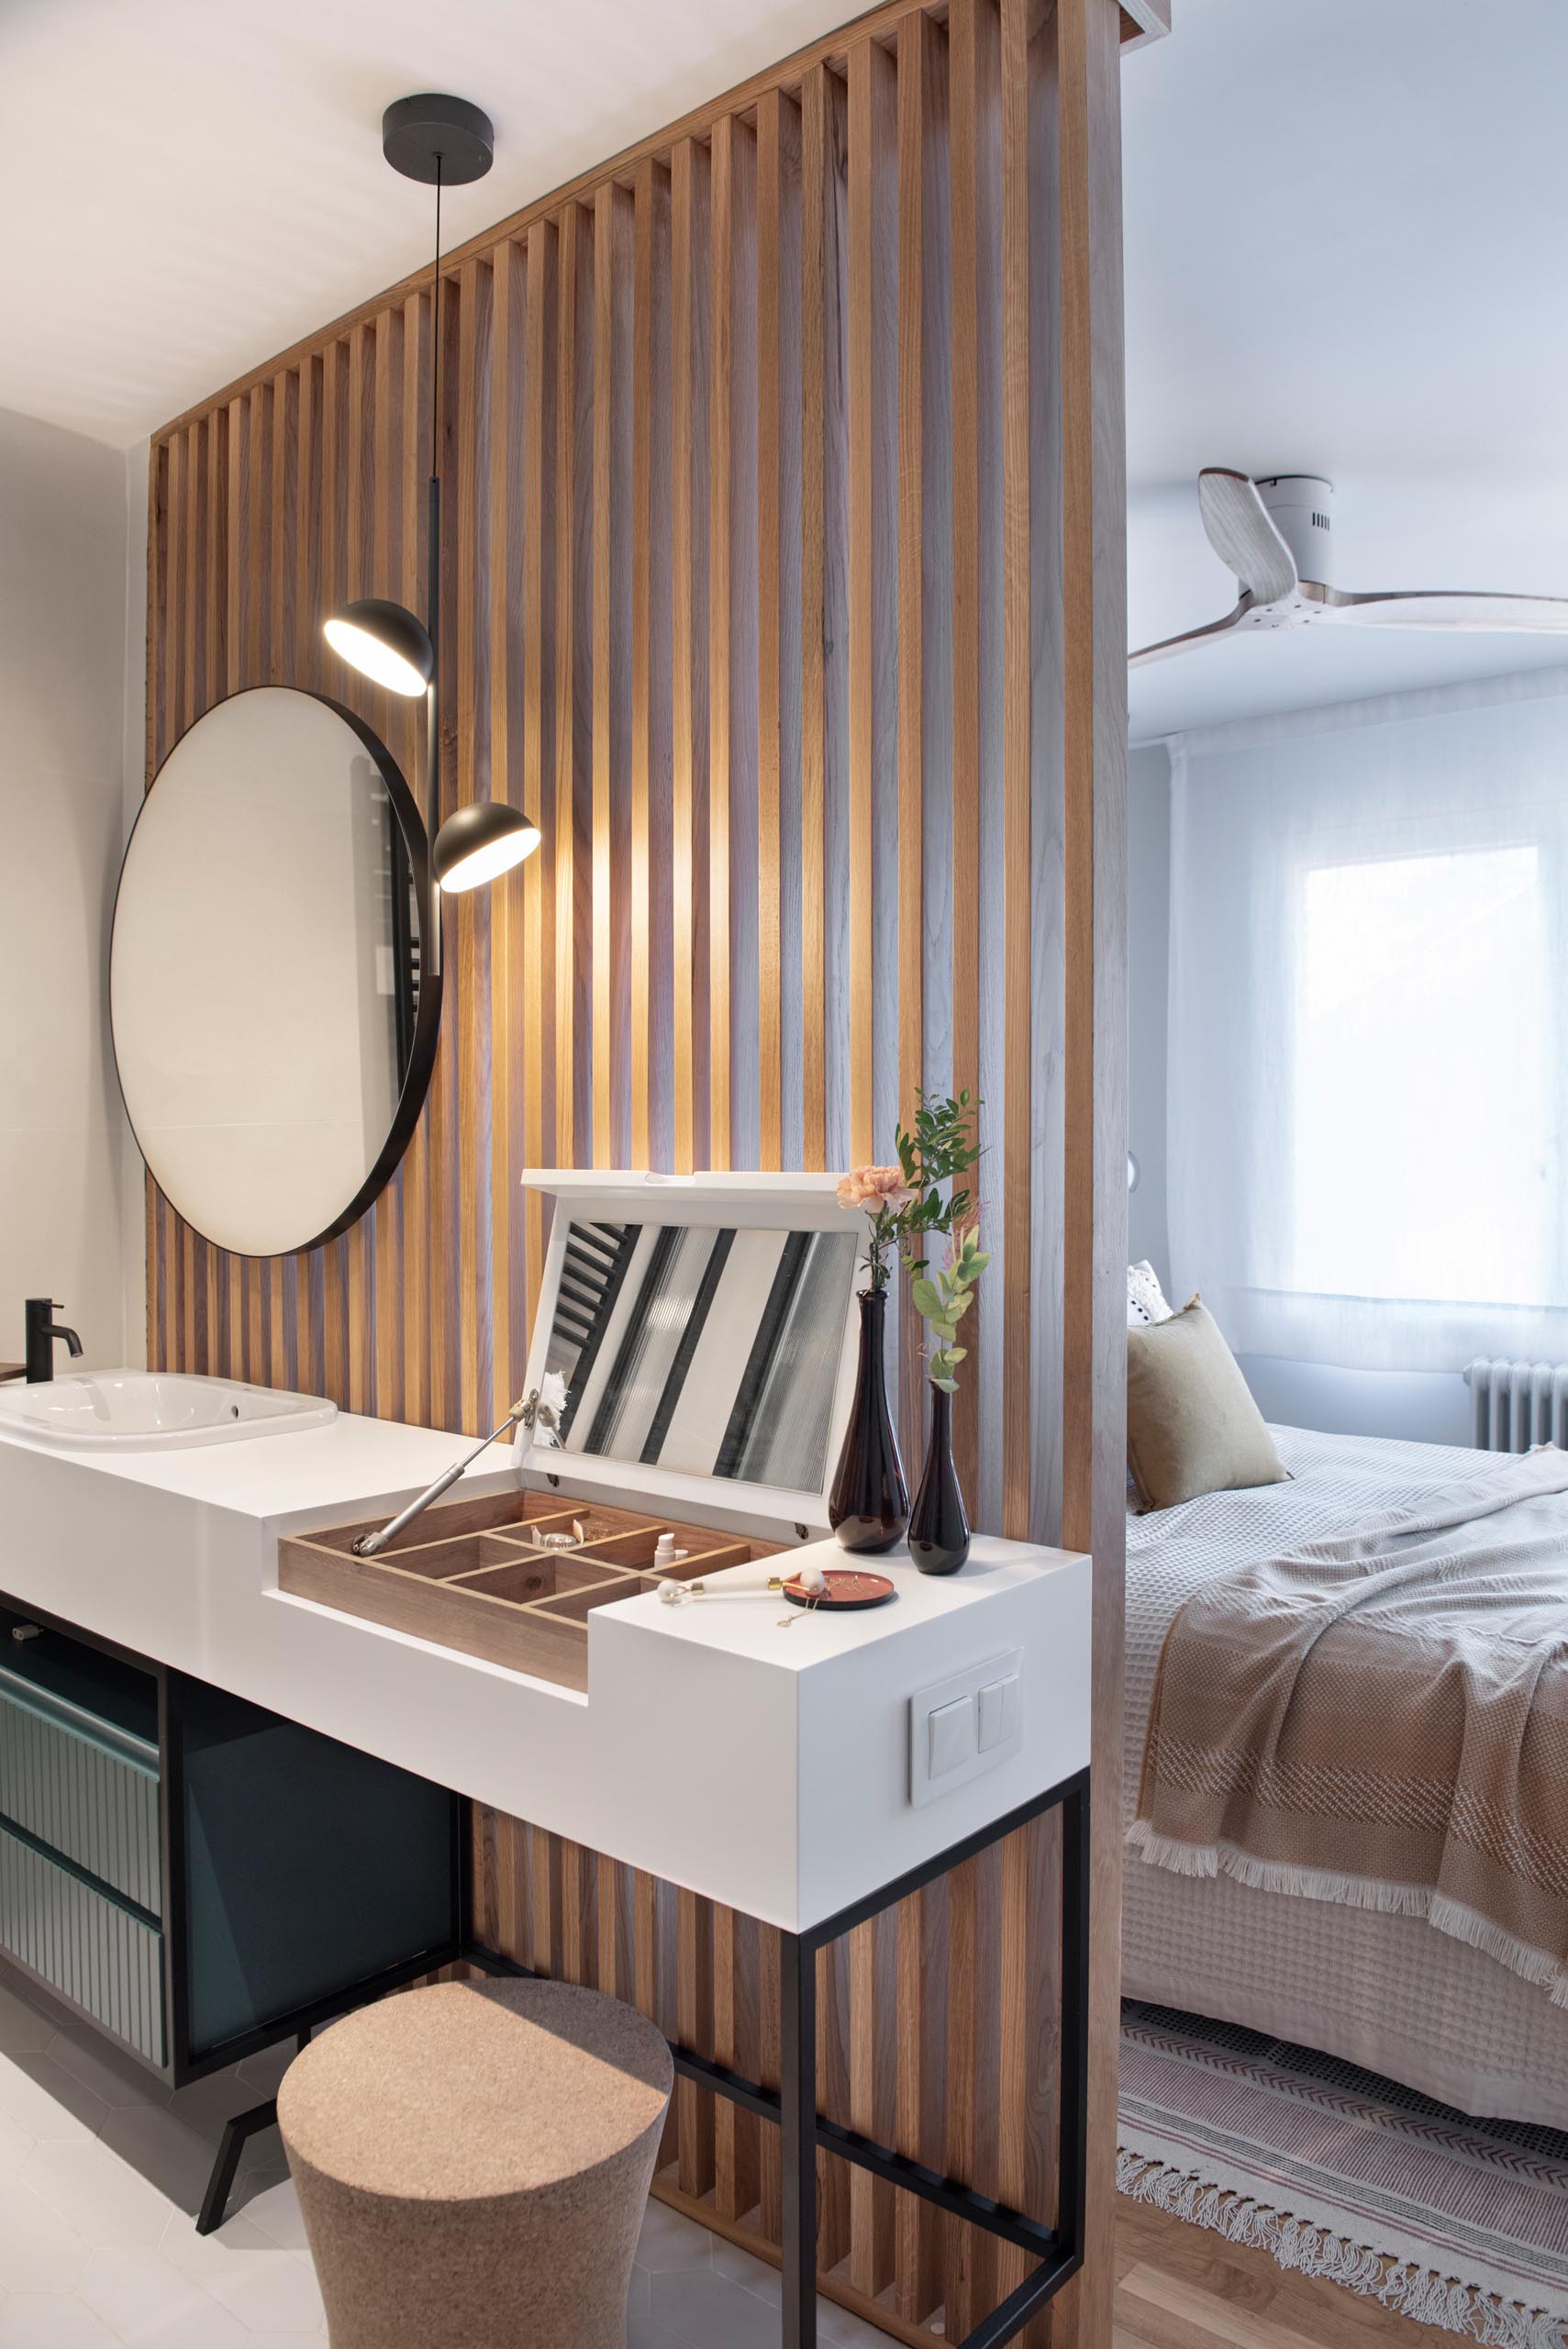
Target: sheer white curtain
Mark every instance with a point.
(1367, 1093)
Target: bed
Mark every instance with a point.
(1383, 1990)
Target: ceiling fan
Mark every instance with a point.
(1276, 535)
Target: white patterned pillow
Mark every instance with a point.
(1145, 1299)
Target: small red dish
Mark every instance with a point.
(845, 1591)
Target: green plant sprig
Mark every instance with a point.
(940, 1149)
(943, 1304)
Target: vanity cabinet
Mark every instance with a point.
(197, 1875)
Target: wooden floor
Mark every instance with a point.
(1184, 2287)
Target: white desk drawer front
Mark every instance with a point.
(82, 1944)
(86, 1789)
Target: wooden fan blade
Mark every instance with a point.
(1529, 614)
(1193, 636)
(1243, 534)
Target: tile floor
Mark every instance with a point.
(101, 2168)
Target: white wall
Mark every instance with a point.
(63, 1167)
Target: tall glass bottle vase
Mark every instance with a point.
(938, 1525)
(868, 1504)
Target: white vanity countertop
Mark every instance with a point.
(766, 1767)
(346, 1469)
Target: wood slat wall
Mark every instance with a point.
(782, 582)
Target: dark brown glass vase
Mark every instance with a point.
(939, 1524)
(868, 1507)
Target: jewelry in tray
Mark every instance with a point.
(837, 1590)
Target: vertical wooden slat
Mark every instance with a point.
(688, 401)
(721, 368)
(964, 43)
(474, 1318)
(190, 701)
(308, 616)
(604, 588)
(862, 594)
(441, 1232)
(660, 686)
(1017, 776)
(537, 908)
(352, 1256)
(282, 1360)
(159, 614)
(163, 683)
(813, 628)
(863, 2261)
(913, 74)
(213, 588)
(770, 461)
(694, 2110)
(517, 1089)
(385, 570)
(257, 1274)
(334, 541)
(641, 875)
(569, 239)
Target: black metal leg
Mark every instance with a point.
(1074, 2093)
(220, 2185)
(226, 2167)
(798, 2131)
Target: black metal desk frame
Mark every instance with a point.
(1058, 2249)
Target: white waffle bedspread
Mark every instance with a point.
(1384, 1991)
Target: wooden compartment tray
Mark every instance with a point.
(474, 1574)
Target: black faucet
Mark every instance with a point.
(42, 1331)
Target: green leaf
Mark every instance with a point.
(927, 1301)
(957, 1353)
(948, 1385)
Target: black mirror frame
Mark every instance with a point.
(416, 1084)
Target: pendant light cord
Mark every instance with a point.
(436, 330)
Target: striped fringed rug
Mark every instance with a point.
(1455, 2222)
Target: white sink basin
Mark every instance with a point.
(152, 1410)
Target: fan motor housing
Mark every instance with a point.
(1301, 507)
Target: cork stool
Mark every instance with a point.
(472, 2162)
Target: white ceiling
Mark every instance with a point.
(194, 185)
(1346, 230)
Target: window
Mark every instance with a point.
(1420, 1078)
(1367, 1076)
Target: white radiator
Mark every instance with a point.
(1516, 1404)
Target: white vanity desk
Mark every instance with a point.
(758, 1731)
(805, 1768)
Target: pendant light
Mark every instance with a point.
(444, 142)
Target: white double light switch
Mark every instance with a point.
(964, 1725)
(951, 1738)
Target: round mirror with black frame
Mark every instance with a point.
(273, 1014)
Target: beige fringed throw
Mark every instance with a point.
(1380, 1719)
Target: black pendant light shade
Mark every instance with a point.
(480, 841)
(385, 642)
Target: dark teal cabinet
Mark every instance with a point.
(198, 1875)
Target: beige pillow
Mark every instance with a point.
(1192, 1425)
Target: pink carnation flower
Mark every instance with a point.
(874, 1186)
